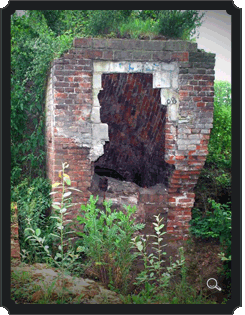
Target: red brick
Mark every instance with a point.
(198, 77)
(183, 94)
(185, 200)
(170, 161)
(181, 56)
(60, 95)
(179, 157)
(186, 87)
(200, 104)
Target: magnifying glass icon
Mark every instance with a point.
(213, 286)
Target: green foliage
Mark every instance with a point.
(33, 201)
(20, 286)
(138, 28)
(220, 139)
(179, 24)
(155, 277)
(212, 213)
(215, 224)
(33, 46)
(65, 257)
(156, 281)
(103, 22)
(106, 241)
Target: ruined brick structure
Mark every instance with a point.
(137, 108)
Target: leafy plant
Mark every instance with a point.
(155, 277)
(180, 24)
(215, 224)
(106, 242)
(33, 201)
(102, 22)
(220, 138)
(64, 257)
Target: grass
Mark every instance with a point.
(138, 28)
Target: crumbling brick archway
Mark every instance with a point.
(167, 125)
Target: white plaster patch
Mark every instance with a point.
(161, 80)
(152, 66)
(101, 66)
(95, 115)
(100, 132)
(97, 81)
(95, 93)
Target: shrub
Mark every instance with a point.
(106, 241)
(220, 138)
(179, 24)
(102, 22)
(33, 47)
(33, 202)
(64, 257)
(155, 277)
(215, 224)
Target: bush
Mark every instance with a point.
(215, 224)
(106, 242)
(33, 203)
(179, 24)
(64, 258)
(103, 22)
(33, 47)
(220, 138)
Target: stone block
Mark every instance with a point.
(175, 80)
(142, 55)
(101, 66)
(161, 80)
(100, 132)
(151, 66)
(176, 45)
(169, 66)
(97, 81)
(154, 45)
(134, 67)
(95, 115)
(123, 55)
(96, 151)
(173, 112)
(168, 94)
(118, 67)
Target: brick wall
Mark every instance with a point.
(152, 99)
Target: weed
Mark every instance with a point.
(63, 259)
(154, 272)
(106, 241)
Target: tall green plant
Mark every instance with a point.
(33, 46)
(64, 257)
(106, 241)
(220, 138)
